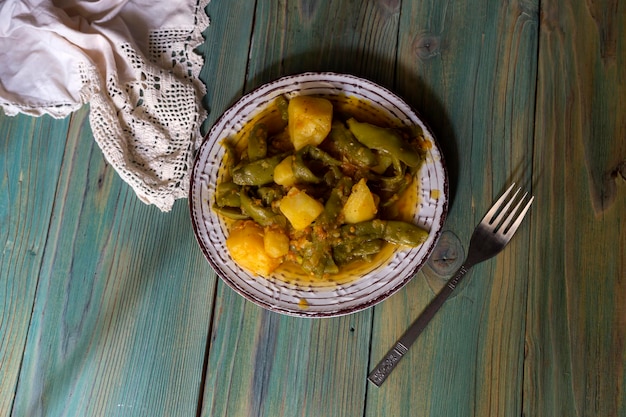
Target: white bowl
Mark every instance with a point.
(301, 299)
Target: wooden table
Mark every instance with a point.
(108, 308)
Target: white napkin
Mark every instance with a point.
(133, 61)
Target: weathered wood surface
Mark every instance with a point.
(120, 314)
(108, 308)
(576, 320)
(30, 162)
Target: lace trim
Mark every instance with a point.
(148, 129)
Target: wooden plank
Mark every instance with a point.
(123, 303)
(283, 366)
(470, 71)
(265, 364)
(359, 38)
(226, 55)
(30, 160)
(576, 334)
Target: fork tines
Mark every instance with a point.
(504, 219)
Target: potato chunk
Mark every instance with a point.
(276, 242)
(300, 208)
(310, 120)
(246, 245)
(361, 205)
(283, 173)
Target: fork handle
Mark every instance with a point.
(391, 359)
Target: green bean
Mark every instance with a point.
(301, 170)
(259, 213)
(232, 158)
(317, 258)
(334, 203)
(350, 148)
(373, 228)
(396, 183)
(314, 259)
(333, 175)
(393, 231)
(312, 256)
(270, 194)
(331, 266)
(257, 142)
(283, 104)
(391, 195)
(357, 248)
(404, 233)
(260, 172)
(383, 162)
(390, 188)
(386, 140)
(227, 194)
(230, 212)
(325, 265)
(316, 153)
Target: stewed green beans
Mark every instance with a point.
(385, 140)
(328, 205)
(257, 142)
(259, 172)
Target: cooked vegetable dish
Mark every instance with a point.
(319, 189)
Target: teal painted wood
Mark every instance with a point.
(31, 151)
(577, 303)
(274, 365)
(359, 38)
(265, 364)
(120, 322)
(122, 300)
(470, 70)
(226, 55)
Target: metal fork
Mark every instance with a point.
(490, 236)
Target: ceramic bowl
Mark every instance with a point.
(294, 297)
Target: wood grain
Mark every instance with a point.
(476, 88)
(348, 36)
(576, 350)
(120, 319)
(226, 55)
(31, 151)
(265, 364)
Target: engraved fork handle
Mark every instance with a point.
(391, 359)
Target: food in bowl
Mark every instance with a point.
(319, 187)
(359, 285)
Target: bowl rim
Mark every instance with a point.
(409, 275)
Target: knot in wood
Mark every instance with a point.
(426, 45)
(444, 261)
(447, 256)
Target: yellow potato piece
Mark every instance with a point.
(310, 120)
(361, 205)
(300, 208)
(246, 245)
(283, 173)
(276, 243)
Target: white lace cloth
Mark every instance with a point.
(133, 61)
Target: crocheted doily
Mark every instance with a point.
(133, 61)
